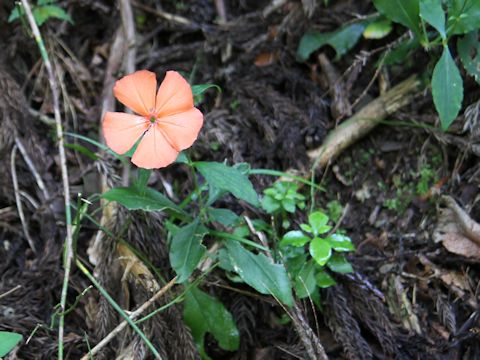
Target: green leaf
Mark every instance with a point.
(135, 199)
(260, 272)
(338, 263)
(229, 179)
(223, 216)
(201, 88)
(469, 50)
(321, 250)
(432, 12)
(305, 283)
(324, 280)
(186, 250)
(378, 29)
(463, 16)
(341, 40)
(340, 243)
(400, 52)
(8, 340)
(203, 313)
(447, 89)
(318, 222)
(82, 150)
(405, 12)
(43, 13)
(15, 14)
(294, 238)
(143, 176)
(270, 205)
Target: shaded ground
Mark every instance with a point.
(410, 298)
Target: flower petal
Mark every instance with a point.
(174, 95)
(154, 150)
(182, 129)
(137, 91)
(121, 130)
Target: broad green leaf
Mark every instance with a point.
(201, 88)
(321, 250)
(447, 89)
(432, 12)
(469, 50)
(203, 313)
(378, 29)
(341, 40)
(318, 222)
(294, 238)
(43, 13)
(260, 272)
(270, 205)
(8, 340)
(324, 280)
(305, 283)
(338, 263)
(340, 243)
(463, 16)
(186, 250)
(229, 179)
(405, 12)
(223, 216)
(135, 199)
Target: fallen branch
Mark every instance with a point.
(363, 122)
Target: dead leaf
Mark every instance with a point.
(458, 233)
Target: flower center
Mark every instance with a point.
(152, 119)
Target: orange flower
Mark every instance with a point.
(168, 120)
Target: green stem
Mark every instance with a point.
(118, 308)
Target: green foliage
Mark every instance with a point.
(186, 249)
(405, 12)
(260, 272)
(8, 340)
(203, 313)
(378, 29)
(447, 89)
(282, 196)
(227, 178)
(323, 250)
(463, 16)
(43, 11)
(341, 40)
(469, 50)
(432, 12)
(146, 199)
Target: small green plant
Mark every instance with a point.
(44, 10)
(434, 24)
(324, 251)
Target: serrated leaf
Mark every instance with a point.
(203, 313)
(223, 216)
(341, 40)
(146, 199)
(8, 340)
(338, 263)
(320, 250)
(318, 222)
(405, 12)
(305, 283)
(340, 243)
(447, 89)
(294, 238)
(378, 29)
(469, 50)
(432, 12)
(463, 16)
(229, 179)
(324, 280)
(186, 250)
(260, 272)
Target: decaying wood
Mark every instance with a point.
(363, 122)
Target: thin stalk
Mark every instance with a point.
(68, 254)
(118, 308)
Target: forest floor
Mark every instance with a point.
(407, 192)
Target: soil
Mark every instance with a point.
(409, 297)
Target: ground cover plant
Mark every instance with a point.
(239, 180)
